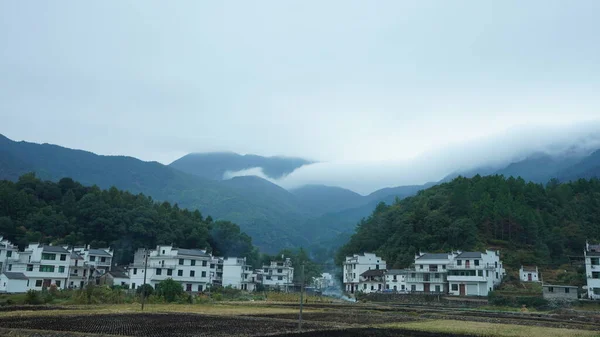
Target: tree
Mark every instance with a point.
(169, 289)
(145, 290)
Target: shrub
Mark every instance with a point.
(169, 289)
(145, 290)
(33, 297)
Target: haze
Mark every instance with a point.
(367, 88)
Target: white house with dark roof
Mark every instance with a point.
(9, 254)
(357, 264)
(592, 270)
(44, 266)
(13, 282)
(372, 280)
(277, 275)
(79, 271)
(116, 277)
(190, 267)
(395, 280)
(429, 273)
(238, 274)
(474, 273)
(529, 274)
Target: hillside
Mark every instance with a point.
(530, 223)
(588, 167)
(325, 199)
(32, 210)
(271, 219)
(214, 165)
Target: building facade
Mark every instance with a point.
(592, 270)
(474, 273)
(395, 280)
(373, 280)
(356, 265)
(430, 273)
(278, 275)
(562, 292)
(238, 274)
(529, 274)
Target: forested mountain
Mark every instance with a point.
(32, 210)
(531, 223)
(588, 167)
(324, 199)
(214, 165)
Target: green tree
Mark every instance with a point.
(169, 289)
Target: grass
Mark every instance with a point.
(490, 329)
(210, 309)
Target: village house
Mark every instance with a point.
(395, 279)
(8, 254)
(43, 266)
(116, 277)
(529, 274)
(354, 266)
(237, 274)
(323, 282)
(190, 267)
(562, 292)
(79, 271)
(430, 273)
(592, 270)
(13, 282)
(372, 280)
(278, 275)
(474, 273)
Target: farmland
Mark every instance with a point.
(281, 319)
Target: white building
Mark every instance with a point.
(238, 274)
(9, 254)
(115, 277)
(395, 280)
(79, 271)
(98, 260)
(529, 274)
(429, 273)
(323, 282)
(592, 270)
(372, 280)
(44, 266)
(12, 282)
(357, 264)
(474, 273)
(190, 267)
(278, 275)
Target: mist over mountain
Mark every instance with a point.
(214, 165)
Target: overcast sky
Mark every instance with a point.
(366, 82)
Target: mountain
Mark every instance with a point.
(588, 167)
(540, 167)
(324, 199)
(530, 223)
(214, 165)
(265, 211)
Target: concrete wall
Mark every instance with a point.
(552, 292)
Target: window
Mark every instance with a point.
(181, 262)
(455, 287)
(551, 289)
(212, 266)
(266, 270)
(420, 266)
(595, 274)
(9, 253)
(395, 278)
(102, 259)
(487, 273)
(496, 264)
(372, 287)
(413, 287)
(133, 286)
(459, 262)
(192, 273)
(376, 266)
(63, 257)
(268, 277)
(204, 263)
(365, 286)
(134, 271)
(29, 267)
(480, 273)
(567, 290)
(74, 271)
(476, 262)
(387, 286)
(436, 275)
(280, 278)
(57, 282)
(444, 266)
(47, 256)
(203, 274)
(400, 286)
(38, 283)
(9, 267)
(158, 271)
(163, 251)
(180, 273)
(595, 261)
(199, 287)
(169, 272)
(496, 274)
(61, 269)
(437, 289)
(193, 262)
(188, 287)
(412, 275)
(46, 269)
(92, 258)
(280, 271)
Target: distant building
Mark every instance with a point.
(395, 279)
(12, 282)
(474, 273)
(356, 265)
(559, 292)
(44, 266)
(430, 273)
(237, 274)
(372, 280)
(116, 277)
(278, 275)
(529, 274)
(323, 282)
(592, 270)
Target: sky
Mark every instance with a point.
(356, 85)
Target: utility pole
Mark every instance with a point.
(145, 273)
(301, 298)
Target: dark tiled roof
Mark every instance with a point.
(119, 274)
(191, 252)
(15, 276)
(100, 252)
(76, 256)
(373, 272)
(54, 249)
(469, 255)
(529, 268)
(396, 271)
(429, 256)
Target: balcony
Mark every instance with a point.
(422, 278)
(466, 278)
(485, 266)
